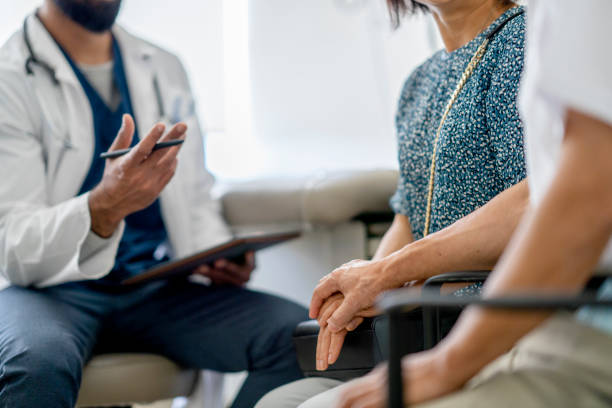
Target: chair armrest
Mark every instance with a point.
(358, 356)
(404, 299)
(397, 301)
(432, 332)
(455, 277)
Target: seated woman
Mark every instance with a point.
(460, 148)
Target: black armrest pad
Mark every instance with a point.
(307, 328)
(456, 277)
(359, 352)
(311, 328)
(399, 299)
(363, 348)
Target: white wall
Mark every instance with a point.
(324, 79)
(283, 86)
(193, 29)
(13, 13)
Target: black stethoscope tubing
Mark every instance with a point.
(33, 59)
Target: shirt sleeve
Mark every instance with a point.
(503, 121)
(400, 200)
(569, 58)
(41, 243)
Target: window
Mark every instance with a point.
(283, 86)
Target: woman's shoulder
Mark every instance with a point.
(419, 75)
(509, 42)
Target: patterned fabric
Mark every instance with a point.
(480, 151)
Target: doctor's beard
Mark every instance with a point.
(94, 15)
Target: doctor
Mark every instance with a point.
(72, 226)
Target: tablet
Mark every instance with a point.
(232, 249)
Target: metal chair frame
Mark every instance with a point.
(396, 302)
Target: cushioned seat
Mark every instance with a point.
(326, 198)
(115, 379)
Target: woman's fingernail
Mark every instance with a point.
(319, 364)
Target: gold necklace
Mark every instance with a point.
(476, 58)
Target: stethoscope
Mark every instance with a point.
(66, 141)
(34, 60)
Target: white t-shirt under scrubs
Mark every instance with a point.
(568, 65)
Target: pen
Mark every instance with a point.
(160, 145)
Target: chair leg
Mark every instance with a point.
(429, 332)
(396, 386)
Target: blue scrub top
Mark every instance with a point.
(144, 230)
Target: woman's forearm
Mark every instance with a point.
(398, 236)
(475, 242)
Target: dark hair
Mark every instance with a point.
(399, 8)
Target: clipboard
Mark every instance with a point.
(228, 250)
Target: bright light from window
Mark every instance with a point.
(283, 86)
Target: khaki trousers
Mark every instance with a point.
(561, 364)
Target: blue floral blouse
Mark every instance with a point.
(480, 151)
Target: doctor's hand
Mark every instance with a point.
(224, 272)
(133, 181)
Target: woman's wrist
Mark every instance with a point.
(405, 265)
(391, 273)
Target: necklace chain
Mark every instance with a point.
(476, 58)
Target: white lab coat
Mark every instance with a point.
(46, 147)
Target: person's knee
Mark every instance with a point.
(273, 346)
(287, 314)
(289, 318)
(322, 400)
(275, 399)
(39, 367)
(297, 393)
(54, 354)
(279, 317)
(287, 396)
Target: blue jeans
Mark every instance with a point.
(47, 335)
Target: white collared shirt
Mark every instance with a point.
(568, 65)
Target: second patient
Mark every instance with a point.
(462, 175)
